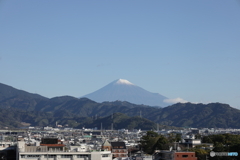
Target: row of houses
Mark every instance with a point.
(90, 145)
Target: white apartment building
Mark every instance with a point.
(52, 152)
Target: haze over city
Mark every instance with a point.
(185, 50)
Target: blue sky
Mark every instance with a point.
(181, 49)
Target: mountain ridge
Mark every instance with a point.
(66, 109)
(7, 91)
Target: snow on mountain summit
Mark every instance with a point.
(124, 81)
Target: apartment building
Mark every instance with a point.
(57, 152)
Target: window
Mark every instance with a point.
(66, 156)
(82, 156)
(184, 156)
(50, 156)
(105, 155)
(33, 156)
(22, 156)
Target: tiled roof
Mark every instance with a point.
(53, 145)
(118, 145)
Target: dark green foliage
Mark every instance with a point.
(201, 153)
(224, 143)
(120, 121)
(14, 118)
(226, 139)
(148, 142)
(153, 141)
(42, 111)
(200, 115)
(162, 143)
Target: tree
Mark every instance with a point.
(148, 142)
(162, 143)
(153, 141)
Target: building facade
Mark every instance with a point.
(57, 152)
(173, 155)
(119, 149)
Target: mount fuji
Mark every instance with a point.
(123, 90)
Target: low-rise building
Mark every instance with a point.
(173, 155)
(57, 151)
(119, 149)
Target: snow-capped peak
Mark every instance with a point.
(124, 81)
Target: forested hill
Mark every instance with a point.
(200, 115)
(45, 111)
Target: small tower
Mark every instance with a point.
(106, 145)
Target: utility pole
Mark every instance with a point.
(101, 128)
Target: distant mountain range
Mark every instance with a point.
(123, 90)
(18, 108)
